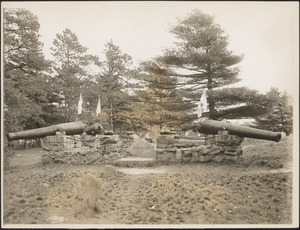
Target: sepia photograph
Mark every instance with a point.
(149, 114)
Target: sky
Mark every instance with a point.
(267, 33)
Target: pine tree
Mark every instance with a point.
(113, 83)
(242, 102)
(280, 115)
(71, 65)
(201, 57)
(160, 102)
(25, 71)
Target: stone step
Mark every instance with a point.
(140, 171)
(135, 162)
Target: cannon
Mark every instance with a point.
(212, 127)
(71, 128)
(94, 129)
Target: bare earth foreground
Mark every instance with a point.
(254, 189)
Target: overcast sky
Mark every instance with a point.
(265, 32)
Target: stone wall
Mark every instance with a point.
(213, 148)
(125, 143)
(80, 149)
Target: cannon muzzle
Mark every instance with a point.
(94, 129)
(71, 128)
(212, 127)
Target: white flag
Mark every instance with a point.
(98, 110)
(202, 107)
(80, 104)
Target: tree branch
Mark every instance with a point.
(17, 48)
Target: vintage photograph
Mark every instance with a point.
(149, 114)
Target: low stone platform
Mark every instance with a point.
(81, 149)
(139, 171)
(212, 148)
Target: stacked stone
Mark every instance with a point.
(90, 141)
(55, 143)
(230, 144)
(109, 147)
(214, 148)
(80, 149)
(166, 147)
(125, 143)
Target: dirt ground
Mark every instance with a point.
(253, 189)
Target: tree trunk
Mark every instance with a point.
(211, 101)
(111, 125)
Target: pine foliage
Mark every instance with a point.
(201, 57)
(25, 71)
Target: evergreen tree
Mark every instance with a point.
(201, 57)
(242, 102)
(25, 71)
(160, 102)
(280, 115)
(71, 65)
(113, 83)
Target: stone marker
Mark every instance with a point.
(142, 148)
(89, 190)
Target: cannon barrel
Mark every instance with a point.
(94, 129)
(212, 127)
(71, 128)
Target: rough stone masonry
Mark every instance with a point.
(83, 149)
(88, 149)
(212, 148)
